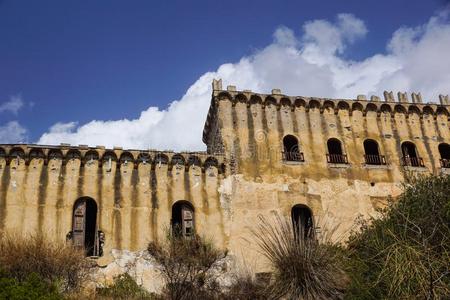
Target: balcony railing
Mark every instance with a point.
(413, 161)
(375, 159)
(293, 156)
(445, 163)
(337, 159)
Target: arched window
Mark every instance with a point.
(410, 155)
(85, 234)
(182, 219)
(335, 154)
(444, 151)
(291, 149)
(372, 154)
(302, 220)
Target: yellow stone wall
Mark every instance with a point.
(240, 177)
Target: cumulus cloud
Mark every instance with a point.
(13, 105)
(309, 63)
(12, 132)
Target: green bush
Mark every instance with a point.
(124, 287)
(31, 288)
(405, 254)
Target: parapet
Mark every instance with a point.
(279, 100)
(65, 152)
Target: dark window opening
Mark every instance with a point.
(372, 155)
(444, 151)
(85, 234)
(291, 150)
(182, 219)
(410, 155)
(335, 154)
(302, 221)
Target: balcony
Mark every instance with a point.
(375, 159)
(413, 161)
(337, 159)
(445, 163)
(293, 156)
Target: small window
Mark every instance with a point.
(444, 151)
(302, 221)
(291, 149)
(410, 155)
(182, 219)
(371, 153)
(335, 154)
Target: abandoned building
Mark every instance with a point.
(307, 158)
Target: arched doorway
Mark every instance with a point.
(182, 221)
(335, 154)
(444, 151)
(372, 154)
(291, 149)
(85, 227)
(410, 155)
(302, 220)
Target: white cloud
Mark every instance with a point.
(309, 64)
(12, 132)
(13, 105)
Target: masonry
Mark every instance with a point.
(321, 162)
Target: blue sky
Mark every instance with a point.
(67, 63)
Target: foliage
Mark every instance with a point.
(124, 287)
(405, 254)
(246, 287)
(303, 267)
(185, 263)
(53, 262)
(31, 288)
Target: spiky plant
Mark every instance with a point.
(303, 267)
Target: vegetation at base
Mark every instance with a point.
(124, 287)
(185, 265)
(405, 254)
(55, 263)
(303, 267)
(31, 287)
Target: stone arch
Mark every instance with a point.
(356, 106)
(210, 162)
(343, 105)
(371, 107)
(428, 110)
(85, 233)
(2, 152)
(161, 158)
(291, 149)
(442, 111)
(17, 153)
(413, 109)
(91, 155)
(241, 98)
(255, 99)
(386, 108)
(285, 102)
(144, 158)
(224, 96)
(270, 101)
(109, 156)
(335, 153)
(194, 160)
(372, 153)
(400, 109)
(300, 102)
(126, 158)
(313, 104)
(302, 221)
(178, 159)
(55, 154)
(411, 155)
(183, 219)
(36, 153)
(73, 154)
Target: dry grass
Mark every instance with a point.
(185, 263)
(303, 268)
(54, 262)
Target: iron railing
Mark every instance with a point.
(337, 158)
(413, 161)
(375, 159)
(293, 156)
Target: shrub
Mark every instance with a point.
(185, 263)
(405, 254)
(303, 267)
(246, 287)
(53, 262)
(124, 287)
(31, 288)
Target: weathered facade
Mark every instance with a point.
(309, 158)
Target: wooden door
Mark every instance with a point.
(79, 225)
(187, 223)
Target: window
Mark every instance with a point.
(410, 155)
(302, 220)
(444, 151)
(335, 154)
(85, 234)
(371, 154)
(291, 149)
(182, 219)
